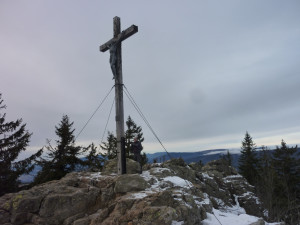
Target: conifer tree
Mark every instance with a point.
(94, 160)
(14, 138)
(144, 159)
(287, 184)
(110, 147)
(227, 158)
(266, 181)
(248, 159)
(132, 130)
(63, 158)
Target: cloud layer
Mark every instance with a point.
(202, 72)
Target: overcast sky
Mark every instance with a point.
(203, 72)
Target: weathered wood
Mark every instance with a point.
(115, 46)
(119, 99)
(122, 36)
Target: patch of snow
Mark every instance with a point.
(236, 209)
(206, 200)
(154, 187)
(219, 201)
(177, 222)
(247, 194)
(138, 195)
(229, 179)
(233, 176)
(199, 204)
(178, 181)
(266, 213)
(146, 175)
(96, 175)
(228, 218)
(160, 169)
(251, 194)
(187, 205)
(205, 175)
(183, 202)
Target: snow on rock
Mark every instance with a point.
(95, 175)
(177, 222)
(228, 218)
(160, 170)
(169, 193)
(177, 181)
(206, 176)
(138, 195)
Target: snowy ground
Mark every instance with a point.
(229, 218)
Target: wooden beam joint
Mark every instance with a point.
(121, 37)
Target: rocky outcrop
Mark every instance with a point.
(225, 187)
(110, 167)
(168, 193)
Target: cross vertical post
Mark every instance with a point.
(119, 101)
(114, 46)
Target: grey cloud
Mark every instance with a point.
(197, 70)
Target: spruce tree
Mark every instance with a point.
(144, 159)
(266, 182)
(248, 159)
(227, 158)
(14, 138)
(132, 130)
(287, 184)
(110, 147)
(63, 158)
(94, 160)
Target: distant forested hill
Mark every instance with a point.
(205, 156)
(189, 157)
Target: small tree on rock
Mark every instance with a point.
(94, 160)
(63, 158)
(248, 159)
(111, 145)
(132, 131)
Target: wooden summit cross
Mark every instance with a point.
(114, 47)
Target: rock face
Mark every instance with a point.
(168, 193)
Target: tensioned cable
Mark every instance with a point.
(94, 113)
(216, 218)
(107, 120)
(139, 110)
(148, 124)
(144, 118)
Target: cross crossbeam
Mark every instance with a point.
(122, 36)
